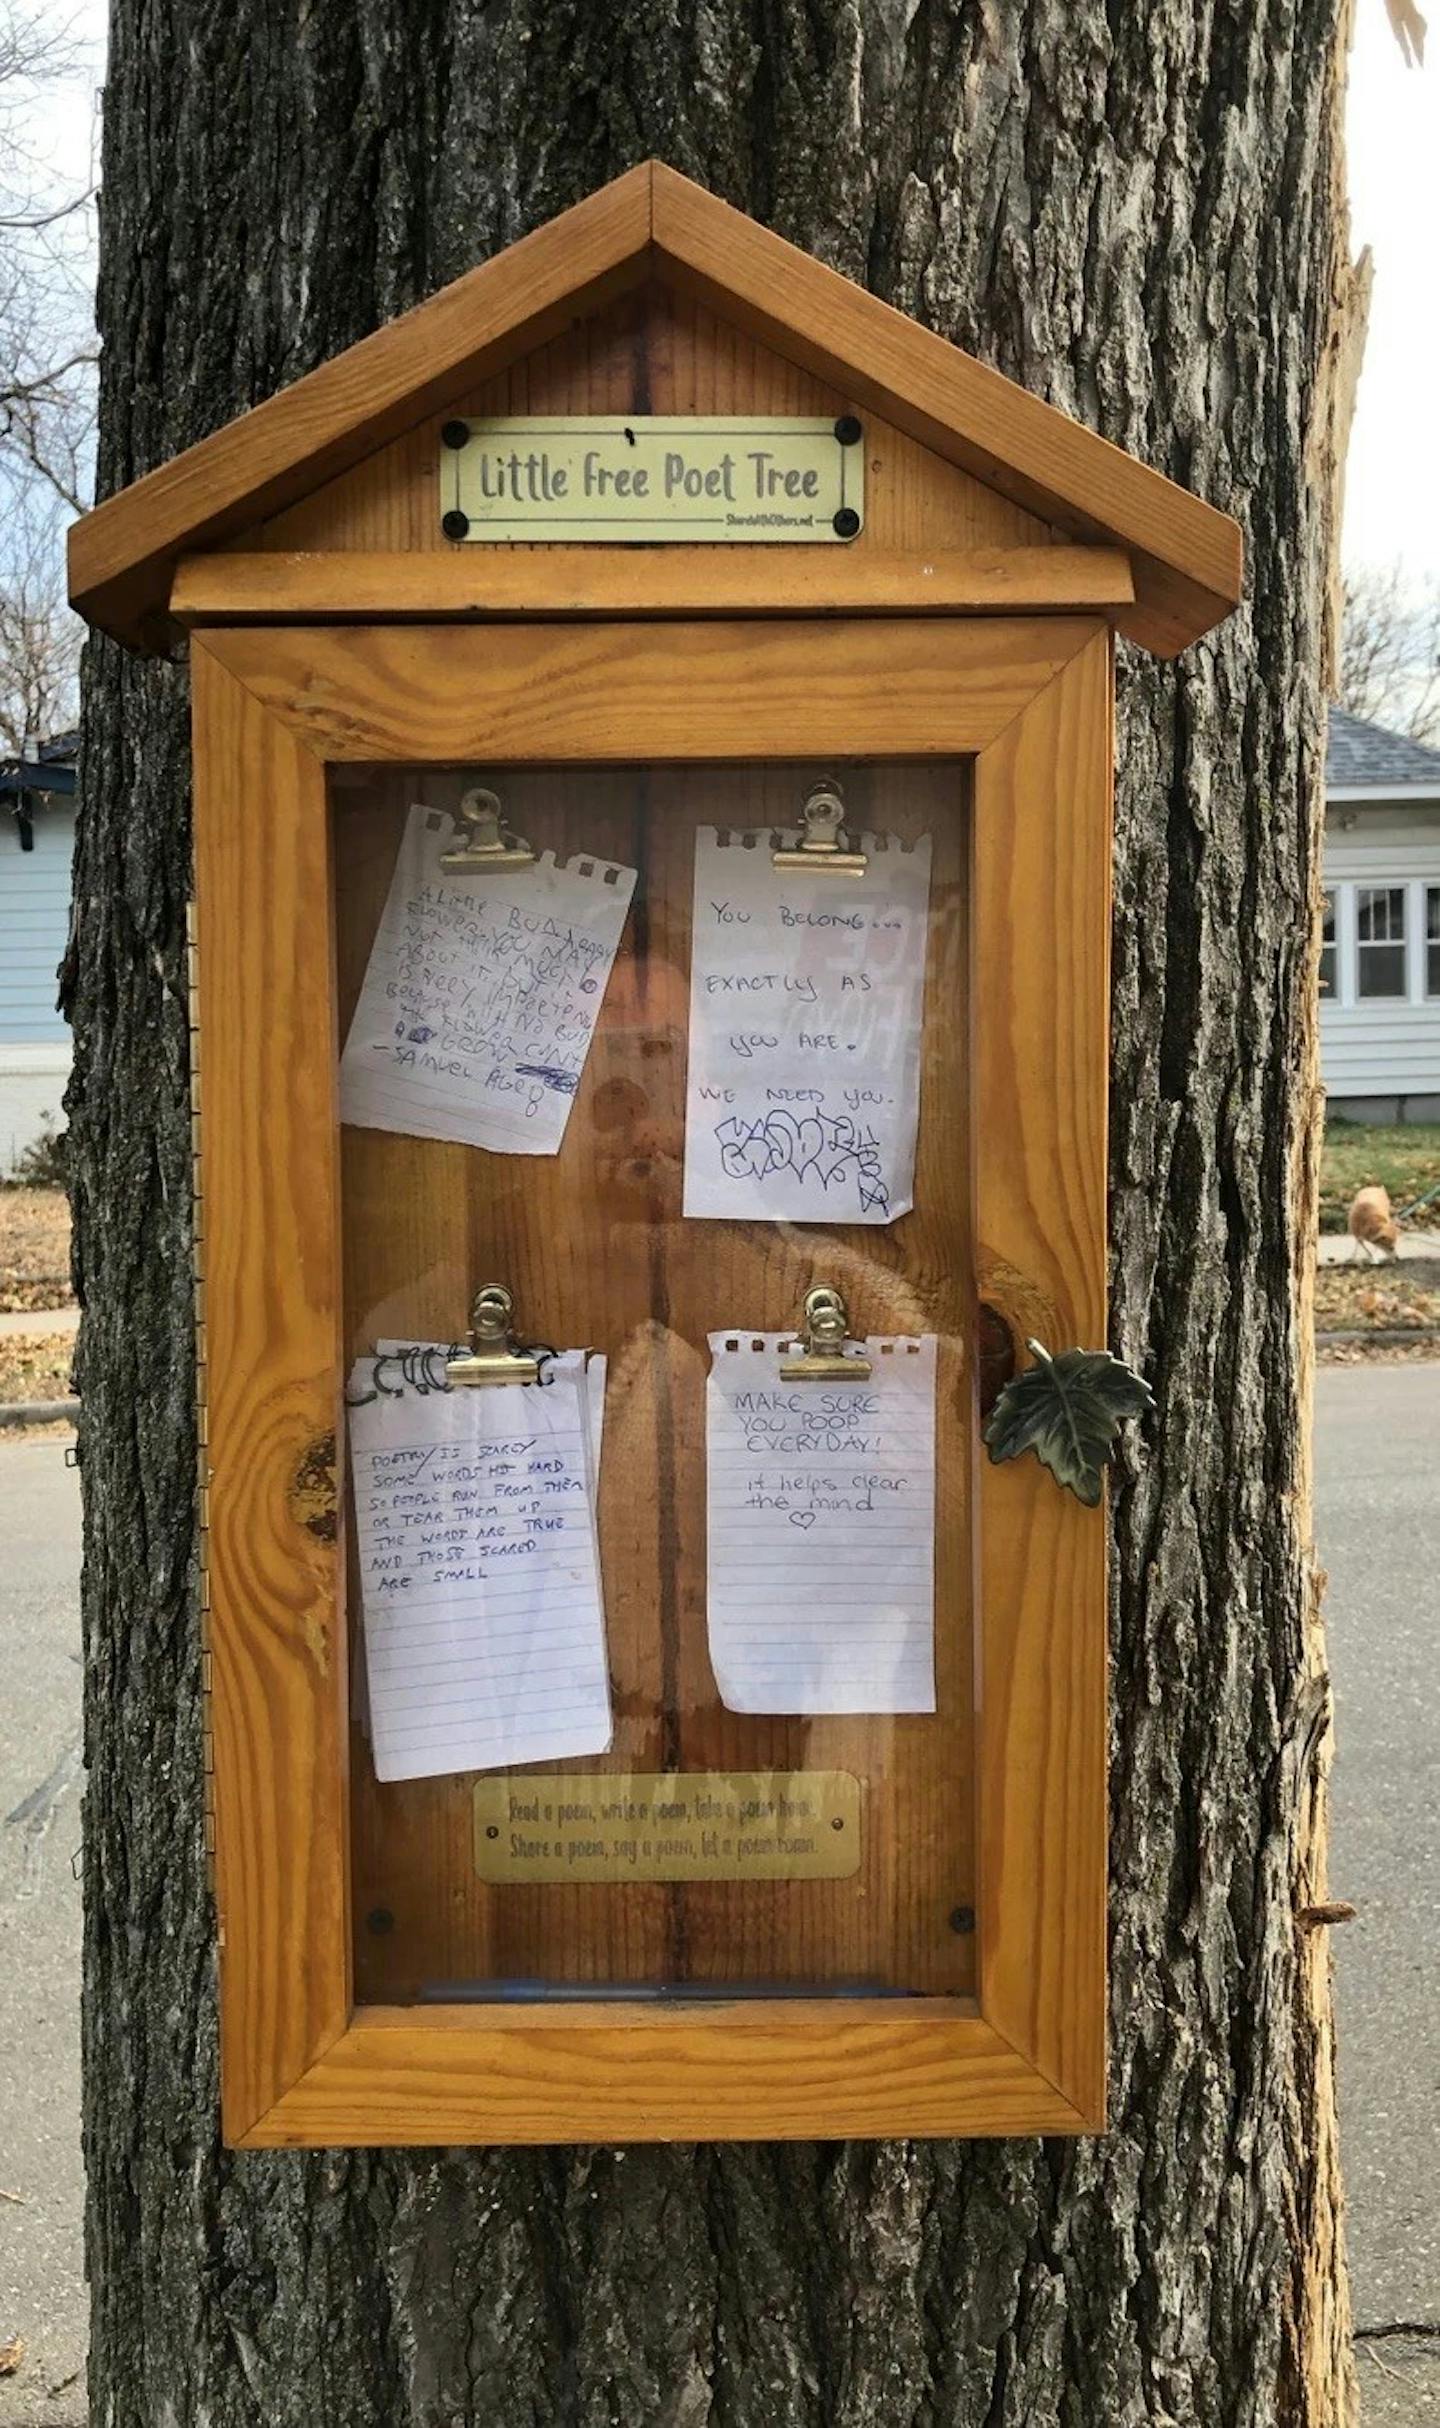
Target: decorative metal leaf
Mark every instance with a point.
(1068, 1410)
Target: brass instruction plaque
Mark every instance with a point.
(668, 1825)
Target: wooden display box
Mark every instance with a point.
(953, 664)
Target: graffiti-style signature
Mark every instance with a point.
(828, 1149)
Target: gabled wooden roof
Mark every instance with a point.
(654, 224)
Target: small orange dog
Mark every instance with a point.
(1372, 1224)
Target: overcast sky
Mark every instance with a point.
(1392, 505)
(1393, 488)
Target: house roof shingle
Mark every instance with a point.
(1364, 754)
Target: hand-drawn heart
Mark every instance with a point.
(802, 1517)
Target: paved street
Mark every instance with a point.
(42, 2294)
(1377, 1447)
(1378, 1466)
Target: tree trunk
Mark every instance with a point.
(1134, 212)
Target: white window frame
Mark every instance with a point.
(1346, 890)
(1404, 993)
(1347, 964)
(1415, 938)
(1407, 887)
(1330, 890)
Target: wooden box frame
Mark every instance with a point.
(1029, 701)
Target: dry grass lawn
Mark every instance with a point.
(1403, 1158)
(34, 1250)
(36, 1366)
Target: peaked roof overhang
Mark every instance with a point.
(653, 223)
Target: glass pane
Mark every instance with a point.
(706, 1848)
(1380, 913)
(1382, 970)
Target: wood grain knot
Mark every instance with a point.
(313, 1496)
(994, 1354)
(1012, 1309)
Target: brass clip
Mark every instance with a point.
(487, 842)
(823, 844)
(493, 1356)
(824, 1330)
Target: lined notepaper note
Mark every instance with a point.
(822, 1530)
(481, 996)
(806, 995)
(480, 1575)
(591, 1364)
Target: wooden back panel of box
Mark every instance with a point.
(593, 1245)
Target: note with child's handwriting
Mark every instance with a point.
(433, 1355)
(821, 1522)
(479, 1574)
(806, 999)
(481, 996)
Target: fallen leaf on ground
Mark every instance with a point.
(11, 2355)
(1405, 1297)
(1376, 1353)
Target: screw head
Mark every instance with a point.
(455, 524)
(380, 1920)
(456, 435)
(847, 523)
(848, 430)
(962, 1920)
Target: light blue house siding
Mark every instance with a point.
(1380, 970)
(34, 923)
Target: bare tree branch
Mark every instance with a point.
(1390, 651)
(39, 638)
(35, 222)
(46, 361)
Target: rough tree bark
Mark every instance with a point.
(1133, 211)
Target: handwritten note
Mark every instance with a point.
(481, 996)
(806, 997)
(822, 1530)
(429, 1358)
(480, 1575)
